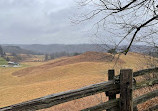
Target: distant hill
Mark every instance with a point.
(142, 49)
(73, 48)
(53, 48)
(17, 50)
(81, 48)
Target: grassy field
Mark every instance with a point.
(38, 79)
(3, 61)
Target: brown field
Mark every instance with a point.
(43, 78)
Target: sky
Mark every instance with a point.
(40, 22)
(50, 22)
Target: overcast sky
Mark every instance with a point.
(40, 22)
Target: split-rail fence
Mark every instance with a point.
(123, 84)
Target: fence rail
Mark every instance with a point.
(145, 71)
(145, 97)
(145, 84)
(54, 99)
(112, 87)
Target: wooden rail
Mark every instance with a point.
(145, 84)
(145, 97)
(145, 71)
(54, 99)
(123, 86)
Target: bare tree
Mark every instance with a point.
(46, 57)
(127, 21)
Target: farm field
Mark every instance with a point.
(39, 79)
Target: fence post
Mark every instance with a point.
(111, 75)
(111, 95)
(126, 101)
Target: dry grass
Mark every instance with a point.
(31, 58)
(86, 57)
(61, 75)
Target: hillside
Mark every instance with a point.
(17, 50)
(85, 57)
(61, 74)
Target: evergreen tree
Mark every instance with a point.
(7, 59)
(1, 52)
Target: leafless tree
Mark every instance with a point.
(127, 21)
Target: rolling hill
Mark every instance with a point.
(85, 57)
(17, 50)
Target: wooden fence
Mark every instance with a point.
(123, 84)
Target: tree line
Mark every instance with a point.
(2, 53)
(59, 54)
